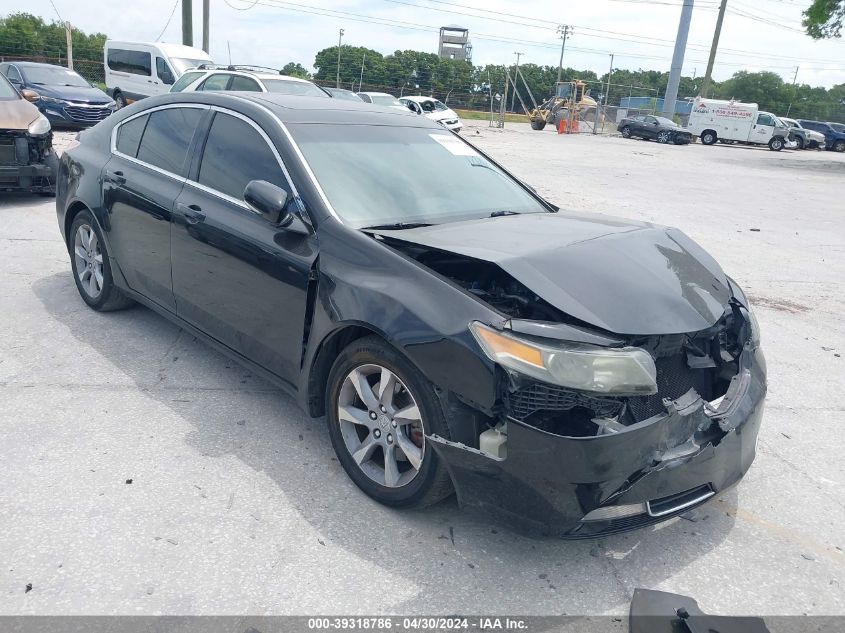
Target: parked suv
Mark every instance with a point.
(804, 138)
(66, 99)
(245, 78)
(835, 140)
(27, 159)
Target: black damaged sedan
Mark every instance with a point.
(575, 374)
(656, 128)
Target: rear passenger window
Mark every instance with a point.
(215, 82)
(129, 135)
(234, 154)
(244, 83)
(167, 137)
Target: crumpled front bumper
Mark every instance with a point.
(669, 463)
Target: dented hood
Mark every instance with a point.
(619, 275)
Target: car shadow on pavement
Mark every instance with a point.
(458, 561)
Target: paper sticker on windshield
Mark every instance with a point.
(455, 145)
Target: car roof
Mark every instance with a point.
(34, 64)
(250, 73)
(418, 98)
(377, 94)
(172, 50)
(302, 109)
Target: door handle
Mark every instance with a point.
(115, 177)
(192, 212)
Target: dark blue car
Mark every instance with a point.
(835, 139)
(66, 99)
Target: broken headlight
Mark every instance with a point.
(39, 126)
(618, 371)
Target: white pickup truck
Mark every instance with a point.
(714, 120)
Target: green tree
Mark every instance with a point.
(295, 69)
(823, 18)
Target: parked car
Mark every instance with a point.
(343, 93)
(804, 138)
(66, 99)
(27, 159)
(713, 120)
(656, 128)
(457, 330)
(839, 127)
(382, 99)
(434, 110)
(834, 139)
(134, 70)
(247, 79)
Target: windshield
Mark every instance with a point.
(287, 87)
(340, 93)
(376, 175)
(386, 100)
(7, 90)
(665, 121)
(53, 76)
(839, 127)
(181, 64)
(440, 106)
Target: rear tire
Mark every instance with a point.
(708, 137)
(626, 132)
(368, 422)
(89, 261)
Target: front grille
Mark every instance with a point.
(544, 397)
(87, 114)
(674, 379)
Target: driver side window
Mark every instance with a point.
(765, 119)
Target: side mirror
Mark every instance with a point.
(30, 95)
(166, 77)
(270, 202)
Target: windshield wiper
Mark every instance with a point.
(395, 226)
(498, 214)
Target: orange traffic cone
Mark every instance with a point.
(561, 127)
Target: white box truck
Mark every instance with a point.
(732, 121)
(135, 70)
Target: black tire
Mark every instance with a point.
(538, 124)
(839, 146)
(119, 99)
(708, 137)
(626, 131)
(776, 143)
(664, 137)
(110, 296)
(432, 482)
(799, 142)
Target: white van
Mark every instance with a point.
(714, 120)
(135, 70)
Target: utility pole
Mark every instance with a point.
(794, 81)
(609, 73)
(513, 96)
(705, 87)
(69, 36)
(339, 39)
(361, 79)
(677, 60)
(206, 19)
(187, 23)
(563, 30)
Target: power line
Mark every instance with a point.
(172, 12)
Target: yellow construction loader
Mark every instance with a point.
(570, 101)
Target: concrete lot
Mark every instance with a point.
(237, 505)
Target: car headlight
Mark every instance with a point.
(52, 100)
(617, 371)
(39, 126)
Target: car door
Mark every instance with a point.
(763, 128)
(141, 181)
(649, 127)
(236, 276)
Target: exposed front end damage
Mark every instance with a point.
(27, 162)
(578, 462)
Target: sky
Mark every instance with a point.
(756, 35)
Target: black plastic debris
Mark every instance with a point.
(662, 612)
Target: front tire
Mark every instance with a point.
(120, 100)
(538, 124)
(776, 144)
(799, 142)
(379, 409)
(664, 136)
(839, 146)
(91, 267)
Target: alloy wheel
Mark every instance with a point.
(88, 258)
(663, 137)
(381, 425)
(626, 132)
